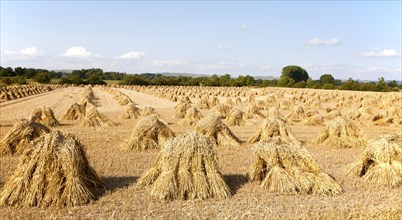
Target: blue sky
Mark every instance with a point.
(359, 39)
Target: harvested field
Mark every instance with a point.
(121, 169)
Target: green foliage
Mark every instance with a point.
(301, 84)
(133, 80)
(381, 85)
(7, 72)
(286, 82)
(327, 78)
(328, 86)
(294, 72)
(42, 77)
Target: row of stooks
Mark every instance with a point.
(54, 171)
(16, 92)
(304, 103)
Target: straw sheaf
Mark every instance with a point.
(191, 118)
(131, 111)
(340, 133)
(235, 118)
(149, 133)
(147, 111)
(181, 109)
(203, 103)
(53, 172)
(289, 168)
(253, 112)
(95, 119)
(186, 168)
(20, 135)
(271, 128)
(74, 112)
(44, 115)
(381, 162)
(218, 132)
(222, 110)
(297, 115)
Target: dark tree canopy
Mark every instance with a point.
(327, 78)
(294, 72)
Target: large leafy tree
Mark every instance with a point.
(294, 72)
(327, 78)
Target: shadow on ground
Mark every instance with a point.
(235, 181)
(116, 182)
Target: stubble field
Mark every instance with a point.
(121, 169)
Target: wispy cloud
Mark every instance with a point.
(380, 53)
(27, 53)
(79, 52)
(133, 55)
(225, 47)
(319, 42)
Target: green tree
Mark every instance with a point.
(294, 72)
(327, 78)
(42, 77)
(381, 85)
(133, 80)
(8, 71)
(328, 86)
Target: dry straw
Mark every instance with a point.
(44, 115)
(381, 162)
(149, 133)
(289, 168)
(217, 131)
(340, 133)
(222, 110)
(53, 172)
(271, 128)
(191, 118)
(20, 135)
(235, 118)
(95, 119)
(131, 111)
(186, 168)
(253, 112)
(74, 112)
(147, 111)
(181, 109)
(203, 103)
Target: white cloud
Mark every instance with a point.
(79, 52)
(133, 55)
(380, 53)
(318, 42)
(27, 53)
(225, 47)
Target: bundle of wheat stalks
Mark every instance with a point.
(54, 171)
(191, 117)
(44, 115)
(149, 133)
(219, 133)
(95, 119)
(20, 135)
(288, 168)
(131, 111)
(186, 168)
(273, 127)
(381, 162)
(75, 112)
(340, 133)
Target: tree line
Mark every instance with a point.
(291, 77)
